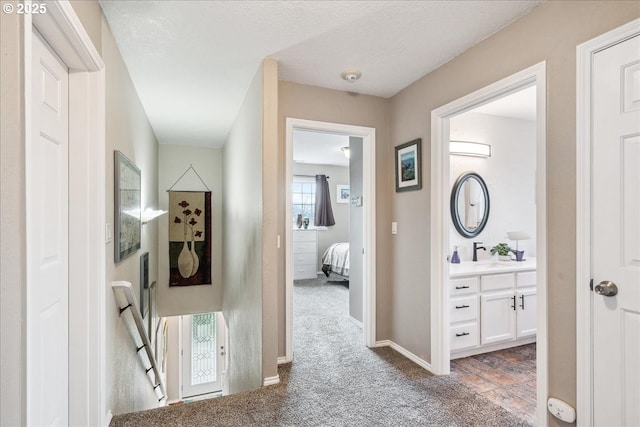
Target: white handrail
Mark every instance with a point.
(128, 301)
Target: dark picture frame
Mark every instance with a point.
(144, 283)
(127, 189)
(408, 160)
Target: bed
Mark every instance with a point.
(336, 260)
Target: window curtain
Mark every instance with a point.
(324, 212)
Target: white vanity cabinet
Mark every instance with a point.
(305, 254)
(492, 310)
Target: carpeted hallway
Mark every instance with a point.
(336, 381)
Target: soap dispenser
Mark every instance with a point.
(455, 258)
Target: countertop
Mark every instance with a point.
(493, 266)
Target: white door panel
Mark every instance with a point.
(615, 232)
(47, 244)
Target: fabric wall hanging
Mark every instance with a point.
(189, 236)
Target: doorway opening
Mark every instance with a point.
(491, 304)
(306, 243)
(203, 345)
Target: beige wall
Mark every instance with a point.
(127, 130)
(314, 103)
(550, 32)
(12, 223)
(242, 243)
(174, 161)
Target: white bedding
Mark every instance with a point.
(336, 259)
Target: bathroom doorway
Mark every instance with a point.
(494, 312)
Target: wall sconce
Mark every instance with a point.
(150, 214)
(346, 151)
(467, 148)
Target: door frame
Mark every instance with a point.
(584, 332)
(440, 188)
(64, 32)
(369, 195)
(220, 347)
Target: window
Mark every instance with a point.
(303, 196)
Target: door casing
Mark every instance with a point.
(64, 32)
(584, 332)
(440, 345)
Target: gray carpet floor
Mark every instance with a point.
(336, 381)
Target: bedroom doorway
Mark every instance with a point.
(336, 160)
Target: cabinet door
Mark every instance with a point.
(527, 309)
(497, 317)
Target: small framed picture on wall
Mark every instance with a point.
(342, 194)
(408, 166)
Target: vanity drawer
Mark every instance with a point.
(494, 282)
(464, 336)
(463, 309)
(526, 279)
(463, 286)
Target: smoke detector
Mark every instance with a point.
(351, 76)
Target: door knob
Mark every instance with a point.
(606, 288)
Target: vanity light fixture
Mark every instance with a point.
(151, 214)
(346, 151)
(467, 148)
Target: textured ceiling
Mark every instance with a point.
(192, 61)
(319, 148)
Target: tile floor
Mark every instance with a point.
(506, 377)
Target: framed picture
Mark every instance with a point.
(408, 166)
(127, 207)
(144, 283)
(342, 194)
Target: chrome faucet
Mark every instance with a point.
(475, 250)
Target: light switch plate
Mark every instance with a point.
(108, 234)
(394, 228)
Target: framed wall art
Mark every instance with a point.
(342, 194)
(127, 190)
(408, 166)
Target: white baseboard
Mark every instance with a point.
(108, 418)
(271, 380)
(406, 353)
(282, 360)
(358, 323)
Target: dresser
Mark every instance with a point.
(491, 308)
(305, 254)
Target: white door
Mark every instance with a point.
(497, 317)
(527, 310)
(47, 241)
(615, 229)
(203, 338)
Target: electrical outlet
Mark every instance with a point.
(561, 410)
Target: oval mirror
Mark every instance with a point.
(469, 204)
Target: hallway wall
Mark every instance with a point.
(174, 161)
(128, 130)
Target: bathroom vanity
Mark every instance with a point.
(492, 306)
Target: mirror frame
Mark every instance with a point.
(455, 214)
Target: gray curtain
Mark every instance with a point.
(324, 212)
